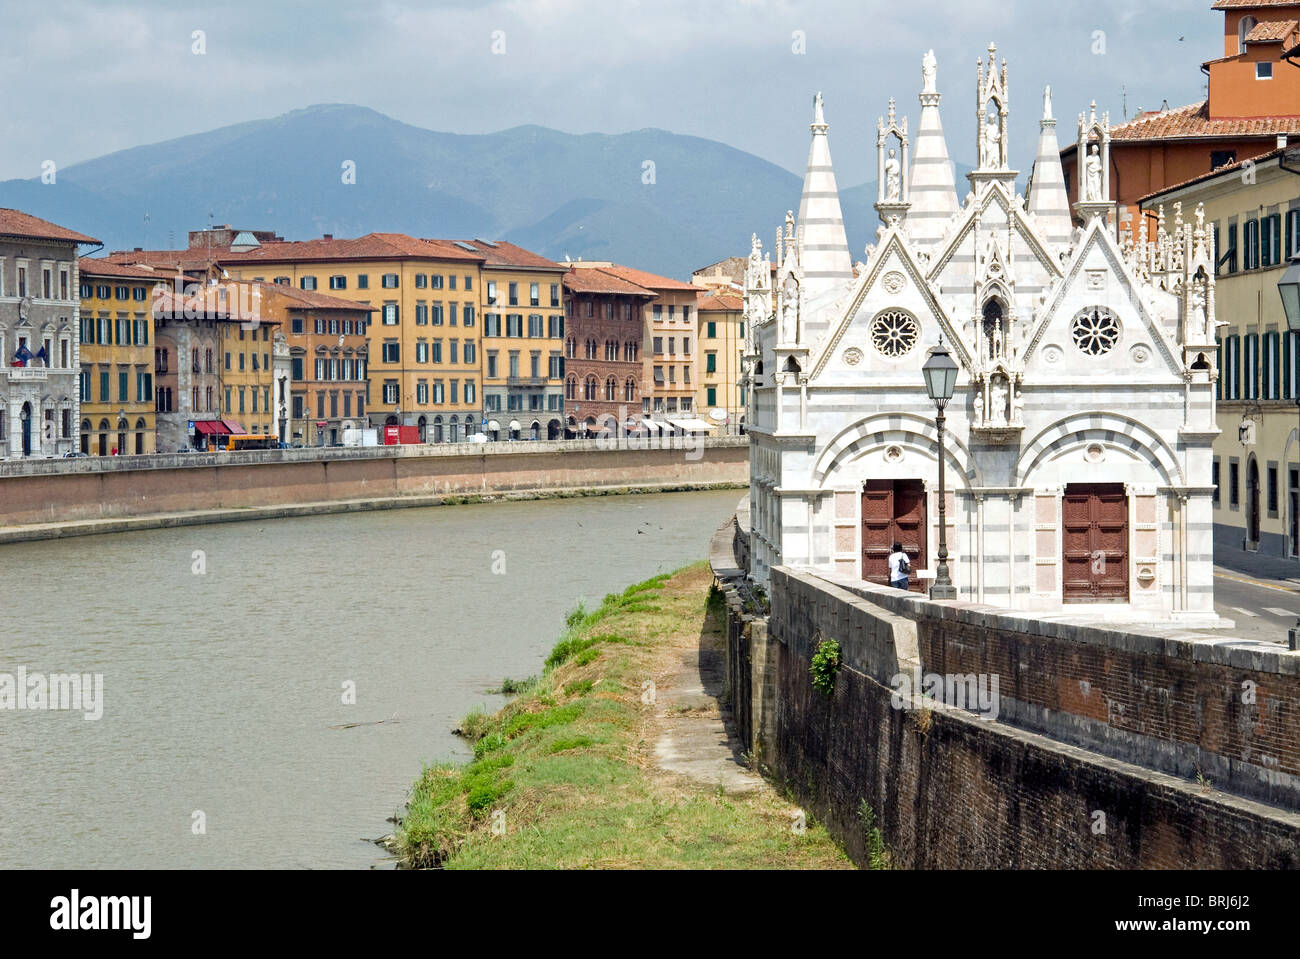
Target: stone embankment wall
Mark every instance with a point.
(63, 491)
(1109, 749)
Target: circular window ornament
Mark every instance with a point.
(893, 281)
(1052, 353)
(1095, 453)
(852, 356)
(1095, 331)
(894, 454)
(1140, 353)
(894, 333)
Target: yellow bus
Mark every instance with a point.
(243, 441)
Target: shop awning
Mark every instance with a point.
(493, 425)
(233, 426)
(514, 425)
(210, 427)
(693, 425)
(646, 421)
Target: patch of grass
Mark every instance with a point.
(475, 724)
(515, 687)
(877, 855)
(576, 782)
(559, 716)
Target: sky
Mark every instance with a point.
(83, 78)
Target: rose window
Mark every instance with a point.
(1095, 331)
(894, 332)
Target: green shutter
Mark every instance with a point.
(1286, 366)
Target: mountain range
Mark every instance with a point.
(656, 200)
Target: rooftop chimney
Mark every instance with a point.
(327, 236)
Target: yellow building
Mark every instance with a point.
(522, 304)
(721, 343)
(424, 365)
(117, 358)
(245, 372)
(1255, 213)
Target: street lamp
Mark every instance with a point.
(1289, 289)
(940, 374)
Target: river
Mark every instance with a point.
(227, 652)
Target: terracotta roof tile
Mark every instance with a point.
(372, 246)
(18, 223)
(171, 259)
(648, 280)
(102, 267)
(1271, 31)
(505, 254)
(1193, 122)
(721, 303)
(1243, 4)
(599, 280)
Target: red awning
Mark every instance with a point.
(210, 427)
(232, 426)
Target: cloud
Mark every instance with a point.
(91, 78)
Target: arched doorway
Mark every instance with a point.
(422, 423)
(1252, 504)
(437, 429)
(553, 430)
(103, 437)
(536, 430)
(85, 437)
(391, 421)
(121, 437)
(139, 437)
(26, 417)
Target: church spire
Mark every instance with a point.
(825, 249)
(1048, 199)
(933, 192)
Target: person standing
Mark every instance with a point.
(899, 567)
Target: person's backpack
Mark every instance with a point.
(904, 566)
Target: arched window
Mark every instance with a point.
(437, 429)
(629, 390)
(571, 388)
(103, 437)
(207, 399)
(85, 436)
(630, 351)
(589, 388)
(422, 423)
(207, 361)
(1246, 25)
(139, 437)
(611, 389)
(611, 350)
(453, 431)
(994, 325)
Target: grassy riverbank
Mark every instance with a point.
(565, 775)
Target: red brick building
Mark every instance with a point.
(603, 351)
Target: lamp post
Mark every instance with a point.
(1289, 289)
(940, 374)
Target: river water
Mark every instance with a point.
(225, 673)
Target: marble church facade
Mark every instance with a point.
(1078, 444)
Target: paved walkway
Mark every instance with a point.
(693, 739)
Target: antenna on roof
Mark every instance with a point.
(1124, 92)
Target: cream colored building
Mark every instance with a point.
(1254, 206)
(720, 397)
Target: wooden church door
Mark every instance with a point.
(1094, 521)
(893, 511)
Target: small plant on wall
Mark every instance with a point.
(825, 666)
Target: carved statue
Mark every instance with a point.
(893, 178)
(1047, 103)
(789, 310)
(990, 156)
(1093, 183)
(929, 70)
(1018, 408)
(998, 402)
(819, 116)
(979, 409)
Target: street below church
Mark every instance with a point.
(1262, 609)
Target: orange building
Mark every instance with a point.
(1253, 105)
